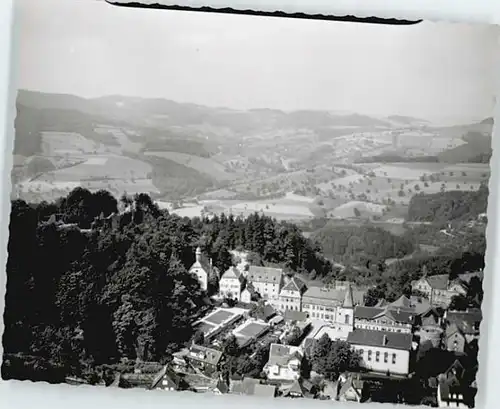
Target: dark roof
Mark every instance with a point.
(268, 311)
(294, 284)
(234, 273)
(264, 274)
(394, 340)
(456, 369)
(402, 302)
(467, 321)
(366, 313)
(354, 382)
(399, 315)
(293, 315)
(204, 354)
(450, 391)
(396, 314)
(438, 282)
(169, 375)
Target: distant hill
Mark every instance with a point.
(407, 120)
(162, 112)
(477, 149)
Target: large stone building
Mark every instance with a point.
(231, 284)
(291, 295)
(325, 304)
(382, 351)
(266, 281)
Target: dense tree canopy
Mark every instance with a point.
(101, 289)
(448, 206)
(361, 244)
(331, 358)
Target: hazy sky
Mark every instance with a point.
(89, 48)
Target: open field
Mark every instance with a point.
(121, 137)
(203, 165)
(118, 174)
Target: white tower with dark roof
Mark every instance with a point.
(345, 313)
(201, 269)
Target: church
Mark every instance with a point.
(202, 268)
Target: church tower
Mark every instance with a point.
(345, 312)
(201, 269)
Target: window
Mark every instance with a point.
(346, 319)
(361, 352)
(386, 357)
(377, 356)
(393, 358)
(369, 354)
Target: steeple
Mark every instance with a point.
(424, 271)
(198, 254)
(348, 299)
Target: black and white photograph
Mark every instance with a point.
(247, 205)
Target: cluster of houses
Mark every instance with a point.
(387, 336)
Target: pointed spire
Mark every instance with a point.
(424, 271)
(348, 299)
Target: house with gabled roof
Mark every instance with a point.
(231, 284)
(290, 297)
(252, 387)
(168, 379)
(267, 281)
(468, 322)
(439, 289)
(388, 318)
(284, 363)
(351, 388)
(382, 351)
(454, 338)
(203, 358)
(454, 389)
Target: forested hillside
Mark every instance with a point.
(448, 206)
(79, 298)
(360, 244)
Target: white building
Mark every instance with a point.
(284, 363)
(266, 281)
(388, 318)
(325, 303)
(439, 289)
(382, 351)
(231, 284)
(290, 297)
(202, 269)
